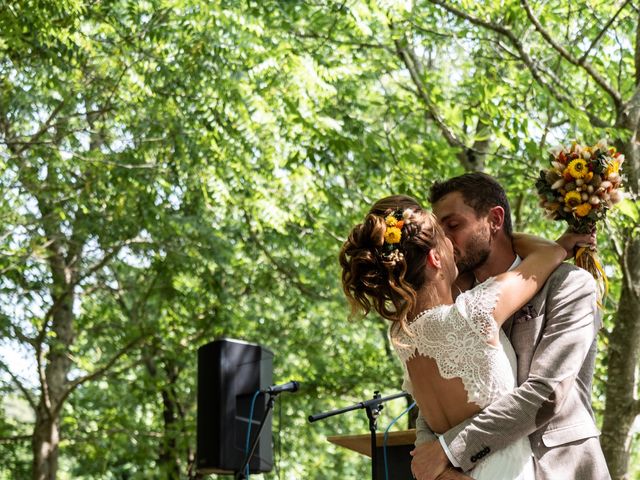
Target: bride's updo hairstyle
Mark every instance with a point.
(382, 265)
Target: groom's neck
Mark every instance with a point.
(500, 258)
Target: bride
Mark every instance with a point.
(455, 357)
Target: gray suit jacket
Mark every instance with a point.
(554, 337)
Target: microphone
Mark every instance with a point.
(291, 386)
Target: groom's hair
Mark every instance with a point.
(479, 190)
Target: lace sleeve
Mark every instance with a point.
(477, 305)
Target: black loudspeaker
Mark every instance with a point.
(229, 374)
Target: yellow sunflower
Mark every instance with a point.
(572, 198)
(583, 209)
(391, 221)
(578, 168)
(392, 235)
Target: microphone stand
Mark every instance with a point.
(373, 408)
(241, 475)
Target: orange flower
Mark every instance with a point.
(583, 209)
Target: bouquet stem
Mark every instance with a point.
(587, 259)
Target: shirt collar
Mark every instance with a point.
(515, 264)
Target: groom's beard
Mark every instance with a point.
(476, 254)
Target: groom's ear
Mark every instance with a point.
(496, 218)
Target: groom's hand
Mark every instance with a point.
(429, 461)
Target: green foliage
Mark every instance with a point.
(209, 159)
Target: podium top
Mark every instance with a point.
(362, 443)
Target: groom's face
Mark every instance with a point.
(469, 233)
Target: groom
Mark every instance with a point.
(554, 337)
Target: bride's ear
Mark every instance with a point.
(433, 259)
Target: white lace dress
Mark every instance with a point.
(456, 336)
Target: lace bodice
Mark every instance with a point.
(456, 337)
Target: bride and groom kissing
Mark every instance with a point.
(496, 335)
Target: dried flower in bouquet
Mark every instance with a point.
(580, 186)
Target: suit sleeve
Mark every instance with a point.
(571, 324)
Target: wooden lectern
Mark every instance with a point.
(399, 444)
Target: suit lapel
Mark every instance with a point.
(523, 315)
(508, 326)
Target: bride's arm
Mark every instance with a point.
(540, 258)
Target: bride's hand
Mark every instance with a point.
(569, 241)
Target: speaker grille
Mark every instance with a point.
(229, 373)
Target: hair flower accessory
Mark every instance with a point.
(394, 222)
(391, 221)
(393, 234)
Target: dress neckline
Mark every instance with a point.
(428, 310)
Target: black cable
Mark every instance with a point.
(279, 439)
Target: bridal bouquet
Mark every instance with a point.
(581, 184)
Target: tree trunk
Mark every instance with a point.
(46, 433)
(45, 440)
(619, 414)
(53, 346)
(624, 345)
(171, 413)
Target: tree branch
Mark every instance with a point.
(141, 302)
(315, 36)
(45, 126)
(429, 31)
(637, 52)
(525, 57)
(602, 32)
(104, 161)
(16, 438)
(614, 243)
(58, 302)
(98, 372)
(305, 289)
(20, 335)
(20, 386)
(580, 62)
(412, 63)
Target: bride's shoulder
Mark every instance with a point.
(478, 288)
(483, 294)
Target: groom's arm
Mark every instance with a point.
(423, 432)
(567, 337)
(431, 455)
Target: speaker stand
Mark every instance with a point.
(241, 475)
